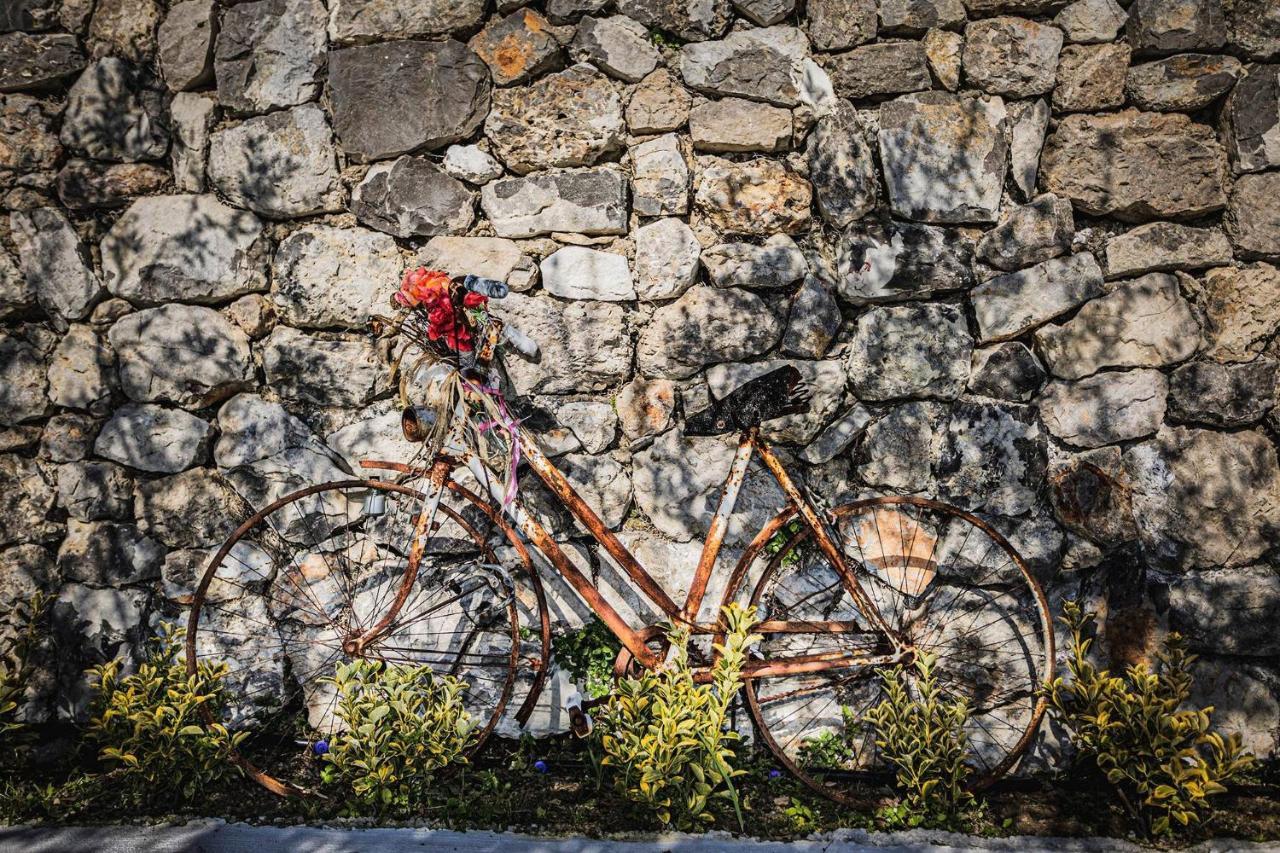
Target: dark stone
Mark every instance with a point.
(270, 54)
(412, 197)
(992, 458)
(1007, 371)
(813, 321)
(116, 111)
(389, 99)
(689, 21)
(37, 62)
(1169, 26)
(1224, 395)
(1251, 118)
(86, 184)
(885, 262)
(875, 70)
(842, 167)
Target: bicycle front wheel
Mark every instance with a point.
(286, 598)
(950, 586)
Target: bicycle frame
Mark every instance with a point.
(635, 640)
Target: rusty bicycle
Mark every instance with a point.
(437, 561)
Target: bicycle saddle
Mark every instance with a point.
(776, 393)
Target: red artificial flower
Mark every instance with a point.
(423, 287)
(474, 300)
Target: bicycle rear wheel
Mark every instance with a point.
(284, 599)
(950, 586)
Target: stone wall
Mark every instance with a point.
(1024, 250)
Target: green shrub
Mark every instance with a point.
(922, 737)
(587, 654)
(1164, 762)
(16, 666)
(402, 724)
(152, 730)
(667, 737)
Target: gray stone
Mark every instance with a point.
(24, 571)
(910, 351)
(837, 437)
(702, 327)
(1142, 323)
(659, 177)
(689, 21)
(736, 124)
(91, 185)
(68, 437)
(992, 457)
(1253, 27)
(775, 263)
(1010, 304)
(1204, 498)
(762, 64)
(585, 346)
(1030, 234)
(887, 262)
(182, 354)
(659, 104)
(1136, 166)
(253, 313)
(517, 48)
(1241, 310)
(1093, 498)
(392, 98)
(1090, 77)
(842, 167)
(603, 483)
(185, 41)
(594, 423)
(1251, 120)
(840, 24)
(487, 257)
(944, 50)
(576, 272)
(17, 294)
(1253, 216)
(115, 111)
(913, 17)
(28, 134)
(1186, 82)
(1105, 408)
(124, 28)
(1244, 700)
(677, 483)
(1091, 21)
(188, 247)
(618, 46)
(192, 118)
(813, 320)
(374, 436)
(80, 370)
(928, 141)
(270, 54)
(1166, 246)
(252, 428)
(411, 197)
(826, 379)
(99, 622)
(106, 553)
(1011, 56)
(759, 197)
(267, 480)
(900, 446)
(28, 16)
(471, 164)
(645, 407)
(1028, 121)
(53, 264)
(24, 392)
(571, 118)
(279, 165)
(194, 509)
(152, 438)
(667, 254)
(1006, 371)
(1227, 611)
(1176, 25)
(1224, 395)
(326, 277)
(878, 70)
(26, 497)
(379, 20)
(35, 62)
(585, 201)
(306, 369)
(765, 13)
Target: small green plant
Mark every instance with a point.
(801, 817)
(587, 654)
(832, 750)
(152, 727)
(1164, 762)
(922, 737)
(667, 736)
(401, 725)
(16, 667)
(779, 541)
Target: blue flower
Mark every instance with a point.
(540, 766)
(774, 774)
(321, 747)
